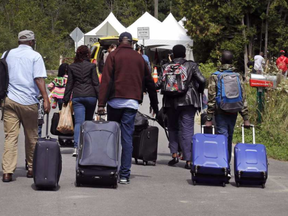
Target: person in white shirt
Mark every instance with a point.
(26, 80)
(259, 63)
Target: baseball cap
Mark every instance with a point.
(125, 34)
(26, 35)
(282, 51)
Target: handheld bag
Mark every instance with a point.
(141, 122)
(229, 96)
(174, 79)
(47, 162)
(250, 161)
(65, 125)
(210, 159)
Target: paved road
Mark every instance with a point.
(154, 191)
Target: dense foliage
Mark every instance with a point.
(53, 20)
(237, 25)
(243, 26)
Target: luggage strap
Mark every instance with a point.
(154, 119)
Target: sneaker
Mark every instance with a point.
(174, 161)
(75, 153)
(124, 180)
(187, 165)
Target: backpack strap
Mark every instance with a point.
(3, 104)
(6, 54)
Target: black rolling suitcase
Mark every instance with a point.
(145, 145)
(98, 160)
(47, 162)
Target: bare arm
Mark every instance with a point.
(40, 82)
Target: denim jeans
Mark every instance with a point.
(84, 108)
(60, 103)
(181, 130)
(126, 118)
(225, 125)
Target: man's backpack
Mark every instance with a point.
(174, 79)
(229, 96)
(4, 76)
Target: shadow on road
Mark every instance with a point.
(67, 150)
(52, 190)
(136, 176)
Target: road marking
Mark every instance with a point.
(184, 201)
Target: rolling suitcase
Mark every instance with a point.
(47, 162)
(98, 160)
(210, 159)
(250, 162)
(145, 145)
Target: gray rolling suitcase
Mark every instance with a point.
(47, 162)
(98, 160)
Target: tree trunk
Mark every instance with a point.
(266, 30)
(261, 37)
(245, 48)
(156, 9)
(250, 45)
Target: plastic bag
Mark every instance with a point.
(65, 124)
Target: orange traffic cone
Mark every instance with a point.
(155, 75)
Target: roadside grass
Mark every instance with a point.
(273, 131)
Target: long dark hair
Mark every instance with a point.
(63, 70)
(82, 53)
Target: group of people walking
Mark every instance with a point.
(125, 77)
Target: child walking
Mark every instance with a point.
(57, 86)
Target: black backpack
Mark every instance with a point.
(4, 77)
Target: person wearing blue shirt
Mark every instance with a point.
(139, 49)
(26, 81)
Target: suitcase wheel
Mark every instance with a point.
(154, 163)
(223, 184)
(238, 184)
(136, 161)
(263, 186)
(194, 182)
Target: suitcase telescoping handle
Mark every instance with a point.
(203, 126)
(201, 111)
(253, 132)
(98, 116)
(47, 126)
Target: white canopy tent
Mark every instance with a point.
(109, 27)
(181, 23)
(177, 35)
(163, 35)
(155, 27)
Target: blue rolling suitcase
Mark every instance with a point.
(210, 159)
(250, 162)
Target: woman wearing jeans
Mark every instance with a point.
(83, 84)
